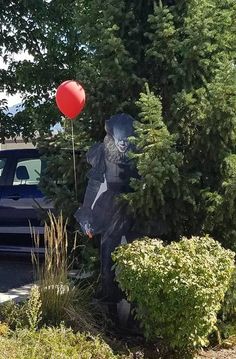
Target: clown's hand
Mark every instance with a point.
(87, 229)
(84, 216)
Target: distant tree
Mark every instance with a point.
(184, 50)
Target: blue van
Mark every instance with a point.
(21, 201)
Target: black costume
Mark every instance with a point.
(102, 212)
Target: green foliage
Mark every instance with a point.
(82, 41)
(58, 177)
(33, 310)
(157, 160)
(53, 343)
(229, 304)
(4, 329)
(7, 131)
(177, 289)
(26, 314)
(226, 329)
(14, 315)
(161, 196)
(220, 206)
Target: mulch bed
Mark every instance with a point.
(218, 354)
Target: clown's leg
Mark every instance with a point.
(110, 289)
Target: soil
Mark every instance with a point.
(142, 350)
(218, 354)
(133, 344)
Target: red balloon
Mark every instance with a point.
(70, 98)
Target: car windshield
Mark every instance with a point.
(2, 165)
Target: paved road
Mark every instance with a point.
(15, 271)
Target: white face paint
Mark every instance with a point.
(121, 145)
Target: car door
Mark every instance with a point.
(22, 203)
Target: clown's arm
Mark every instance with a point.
(84, 215)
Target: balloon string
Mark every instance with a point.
(73, 149)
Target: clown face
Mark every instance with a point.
(122, 144)
(120, 128)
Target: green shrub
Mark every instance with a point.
(14, 314)
(52, 343)
(25, 314)
(177, 289)
(227, 316)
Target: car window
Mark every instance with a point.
(27, 171)
(2, 165)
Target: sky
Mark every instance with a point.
(14, 99)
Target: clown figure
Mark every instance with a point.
(102, 211)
